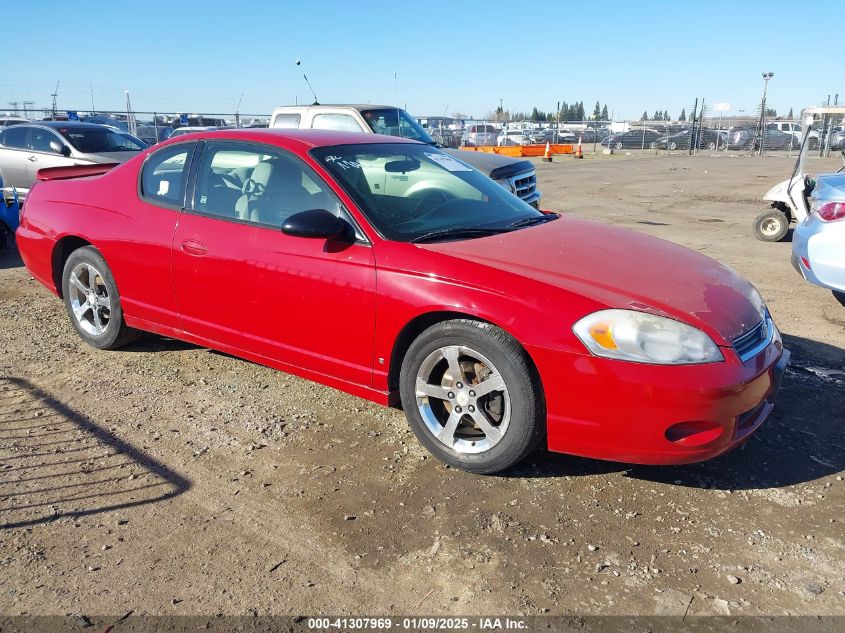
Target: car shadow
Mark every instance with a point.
(10, 257)
(799, 443)
(56, 462)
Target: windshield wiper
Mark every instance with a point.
(534, 219)
(457, 232)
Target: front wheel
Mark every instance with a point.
(472, 396)
(771, 225)
(93, 302)
(618, 145)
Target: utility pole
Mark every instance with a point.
(91, 88)
(26, 106)
(14, 106)
(55, 94)
(766, 77)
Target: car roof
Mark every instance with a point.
(69, 124)
(305, 138)
(353, 106)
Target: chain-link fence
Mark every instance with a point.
(703, 130)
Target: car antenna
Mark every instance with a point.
(305, 77)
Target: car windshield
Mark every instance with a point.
(94, 140)
(413, 192)
(395, 122)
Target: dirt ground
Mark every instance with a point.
(170, 479)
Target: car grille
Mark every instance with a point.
(755, 340)
(524, 186)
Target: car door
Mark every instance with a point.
(42, 155)
(14, 154)
(243, 283)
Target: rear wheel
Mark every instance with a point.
(93, 302)
(673, 146)
(771, 225)
(618, 145)
(711, 145)
(471, 396)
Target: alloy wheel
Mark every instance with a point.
(463, 399)
(89, 299)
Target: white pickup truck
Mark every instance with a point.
(515, 175)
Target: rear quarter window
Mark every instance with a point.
(164, 175)
(287, 121)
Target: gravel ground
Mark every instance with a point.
(171, 479)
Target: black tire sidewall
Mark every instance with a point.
(527, 421)
(116, 327)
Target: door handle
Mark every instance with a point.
(33, 159)
(192, 247)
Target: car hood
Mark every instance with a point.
(487, 163)
(109, 157)
(620, 268)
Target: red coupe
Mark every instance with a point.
(394, 271)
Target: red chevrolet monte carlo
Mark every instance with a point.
(391, 270)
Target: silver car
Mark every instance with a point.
(26, 148)
(818, 245)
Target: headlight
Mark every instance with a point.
(645, 338)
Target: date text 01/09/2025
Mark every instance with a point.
(416, 623)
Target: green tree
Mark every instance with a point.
(644, 117)
(771, 112)
(666, 115)
(535, 114)
(582, 114)
(657, 116)
(597, 111)
(790, 116)
(683, 116)
(604, 114)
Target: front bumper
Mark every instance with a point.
(649, 414)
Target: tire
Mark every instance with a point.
(771, 225)
(469, 424)
(711, 145)
(673, 146)
(86, 278)
(652, 145)
(618, 145)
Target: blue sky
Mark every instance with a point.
(435, 56)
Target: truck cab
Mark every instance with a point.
(516, 175)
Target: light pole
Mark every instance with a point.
(766, 77)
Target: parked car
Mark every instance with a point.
(496, 325)
(12, 120)
(514, 174)
(513, 137)
(29, 147)
(748, 138)
(633, 139)
(479, 135)
(837, 140)
(707, 139)
(190, 129)
(103, 119)
(152, 134)
(818, 245)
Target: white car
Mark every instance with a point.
(513, 137)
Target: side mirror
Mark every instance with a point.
(60, 148)
(314, 223)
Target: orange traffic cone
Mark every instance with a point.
(579, 153)
(547, 155)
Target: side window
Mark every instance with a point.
(164, 174)
(15, 137)
(262, 185)
(40, 140)
(287, 121)
(340, 122)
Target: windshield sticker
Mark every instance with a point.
(343, 163)
(447, 162)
